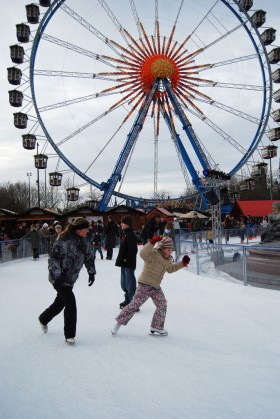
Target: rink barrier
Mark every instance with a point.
(230, 258)
(18, 249)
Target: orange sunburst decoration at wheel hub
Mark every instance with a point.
(143, 61)
(158, 66)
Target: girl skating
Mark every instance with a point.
(157, 261)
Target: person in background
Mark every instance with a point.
(151, 228)
(51, 230)
(89, 235)
(111, 232)
(69, 253)
(16, 235)
(169, 230)
(264, 222)
(96, 239)
(210, 235)
(242, 233)
(249, 227)
(126, 260)
(227, 226)
(1, 243)
(272, 231)
(45, 234)
(195, 229)
(57, 231)
(161, 226)
(34, 236)
(157, 261)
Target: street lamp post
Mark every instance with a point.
(38, 178)
(29, 192)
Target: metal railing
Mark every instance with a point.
(21, 248)
(230, 259)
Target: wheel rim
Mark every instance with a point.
(201, 111)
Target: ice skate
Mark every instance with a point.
(43, 327)
(70, 341)
(115, 329)
(161, 332)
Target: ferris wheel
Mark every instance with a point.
(137, 97)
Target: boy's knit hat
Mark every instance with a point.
(166, 242)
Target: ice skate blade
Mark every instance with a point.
(154, 333)
(70, 341)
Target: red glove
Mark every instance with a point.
(186, 260)
(155, 239)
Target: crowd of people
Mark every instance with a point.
(245, 227)
(104, 238)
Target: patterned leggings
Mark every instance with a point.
(143, 292)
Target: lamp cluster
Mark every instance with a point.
(216, 174)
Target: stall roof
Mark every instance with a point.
(189, 215)
(253, 208)
(37, 213)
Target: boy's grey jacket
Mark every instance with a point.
(67, 258)
(155, 266)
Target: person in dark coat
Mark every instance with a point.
(126, 260)
(195, 229)
(227, 226)
(111, 232)
(34, 237)
(69, 253)
(155, 225)
(96, 239)
(15, 237)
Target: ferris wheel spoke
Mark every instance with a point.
(113, 19)
(156, 21)
(203, 19)
(78, 131)
(77, 49)
(103, 149)
(231, 61)
(89, 27)
(234, 86)
(75, 74)
(230, 109)
(221, 133)
(216, 41)
(135, 14)
(74, 101)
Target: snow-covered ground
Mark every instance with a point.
(220, 360)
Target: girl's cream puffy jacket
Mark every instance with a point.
(155, 266)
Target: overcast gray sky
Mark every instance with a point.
(16, 162)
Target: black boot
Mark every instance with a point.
(123, 304)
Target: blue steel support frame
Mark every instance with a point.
(109, 187)
(186, 159)
(187, 127)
